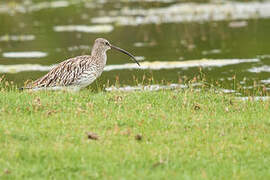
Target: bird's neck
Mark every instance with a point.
(99, 55)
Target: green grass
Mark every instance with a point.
(185, 135)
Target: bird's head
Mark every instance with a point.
(102, 45)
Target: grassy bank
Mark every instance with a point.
(139, 135)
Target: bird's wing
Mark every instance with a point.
(66, 73)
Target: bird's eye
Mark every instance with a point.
(107, 43)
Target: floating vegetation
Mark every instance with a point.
(33, 54)
(84, 28)
(155, 65)
(189, 12)
(17, 38)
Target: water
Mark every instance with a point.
(172, 39)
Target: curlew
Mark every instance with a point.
(78, 72)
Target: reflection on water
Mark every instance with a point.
(17, 38)
(266, 81)
(238, 24)
(256, 98)
(24, 54)
(189, 12)
(155, 65)
(158, 87)
(29, 6)
(83, 28)
(16, 68)
(171, 38)
(260, 69)
(154, 87)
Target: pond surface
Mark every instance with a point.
(228, 43)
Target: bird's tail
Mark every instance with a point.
(26, 86)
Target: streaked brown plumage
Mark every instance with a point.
(78, 72)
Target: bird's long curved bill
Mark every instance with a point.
(125, 52)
